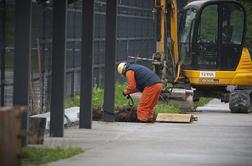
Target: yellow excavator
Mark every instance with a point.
(200, 46)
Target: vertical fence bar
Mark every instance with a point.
(73, 58)
(110, 60)
(58, 68)
(22, 53)
(2, 49)
(87, 64)
(43, 60)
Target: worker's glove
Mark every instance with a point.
(128, 96)
(124, 94)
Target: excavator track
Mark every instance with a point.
(240, 101)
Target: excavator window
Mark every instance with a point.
(186, 37)
(232, 34)
(206, 44)
(232, 25)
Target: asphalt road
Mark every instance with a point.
(218, 138)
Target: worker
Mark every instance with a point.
(142, 79)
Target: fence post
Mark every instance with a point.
(110, 61)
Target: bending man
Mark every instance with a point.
(142, 79)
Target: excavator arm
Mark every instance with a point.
(166, 58)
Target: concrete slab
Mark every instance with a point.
(218, 138)
(214, 105)
(71, 116)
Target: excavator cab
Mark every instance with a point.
(212, 35)
(212, 55)
(203, 50)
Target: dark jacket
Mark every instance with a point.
(144, 76)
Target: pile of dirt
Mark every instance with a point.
(126, 114)
(97, 114)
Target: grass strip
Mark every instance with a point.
(120, 101)
(38, 156)
(166, 108)
(202, 101)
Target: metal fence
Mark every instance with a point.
(135, 37)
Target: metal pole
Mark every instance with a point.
(43, 59)
(87, 64)
(58, 68)
(23, 27)
(2, 48)
(73, 58)
(110, 60)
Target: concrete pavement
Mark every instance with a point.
(218, 138)
(215, 105)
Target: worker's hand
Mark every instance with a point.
(124, 92)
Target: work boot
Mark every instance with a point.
(146, 121)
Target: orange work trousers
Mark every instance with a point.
(148, 101)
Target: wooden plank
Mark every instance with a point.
(174, 118)
(10, 134)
